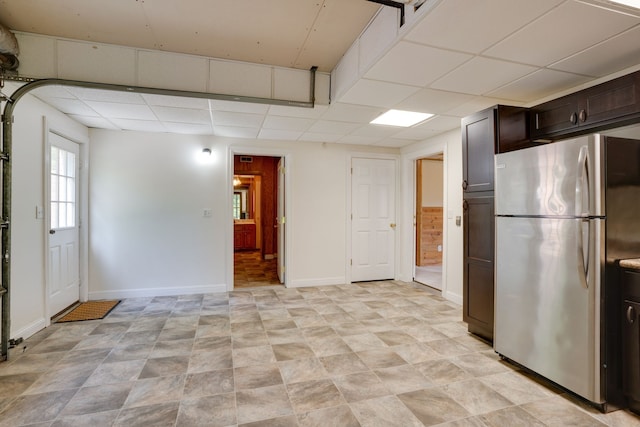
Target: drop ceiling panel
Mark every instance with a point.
(538, 85)
(122, 111)
(237, 107)
(184, 115)
(237, 78)
(176, 101)
(394, 142)
(338, 128)
(359, 140)
(286, 135)
(440, 123)
(376, 93)
(37, 55)
(109, 64)
(433, 101)
(188, 128)
(310, 113)
(235, 132)
(477, 104)
(225, 118)
(158, 69)
(293, 85)
(414, 64)
(122, 97)
(417, 133)
(52, 91)
(351, 113)
(482, 75)
(473, 26)
(320, 137)
(139, 125)
(71, 106)
(287, 123)
(605, 58)
(549, 39)
(95, 122)
(378, 131)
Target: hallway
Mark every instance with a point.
(250, 270)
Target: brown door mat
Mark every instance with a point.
(90, 310)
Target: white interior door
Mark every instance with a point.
(281, 220)
(64, 252)
(373, 219)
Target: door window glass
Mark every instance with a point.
(63, 188)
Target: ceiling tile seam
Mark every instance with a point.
(306, 39)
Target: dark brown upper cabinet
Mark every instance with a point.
(610, 104)
(497, 129)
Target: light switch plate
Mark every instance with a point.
(207, 212)
(39, 212)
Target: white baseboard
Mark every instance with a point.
(156, 292)
(326, 281)
(450, 296)
(30, 329)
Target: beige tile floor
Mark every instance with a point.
(373, 354)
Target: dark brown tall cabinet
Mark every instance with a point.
(497, 129)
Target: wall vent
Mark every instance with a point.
(246, 159)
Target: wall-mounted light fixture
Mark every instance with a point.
(236, 181)
(205, 156)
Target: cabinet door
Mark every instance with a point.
(478, 275)
(478, 148)
(557, 116)
(610, 101)
(613, 103)
(631, 350)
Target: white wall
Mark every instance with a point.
(28, 232)
(450, 144)
(147, 193)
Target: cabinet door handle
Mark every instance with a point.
(573, 118)
(631, 315)
(582, 116)
(465, 205)
(464, 184)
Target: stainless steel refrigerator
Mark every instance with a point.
(565, 212)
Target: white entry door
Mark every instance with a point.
(373, 184)
(64, 252)
(281, 220)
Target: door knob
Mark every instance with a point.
(52, 231)
(393, 225)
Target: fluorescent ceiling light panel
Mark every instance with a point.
(631, 3)
(400, 118)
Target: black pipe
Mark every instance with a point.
(5, 158)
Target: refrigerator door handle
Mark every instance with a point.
(583, 266)
(582, 182)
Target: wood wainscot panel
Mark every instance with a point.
(430, 236)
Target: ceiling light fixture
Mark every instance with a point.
(236, 181)
(630, 3)
(400, 118)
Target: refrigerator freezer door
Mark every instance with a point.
(547, 313)
(559, 179)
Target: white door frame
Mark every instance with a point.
(409, 244)
(250, 150)
(349, 226)
(83, 215)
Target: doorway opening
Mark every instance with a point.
(257, 221)
(429, 220)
